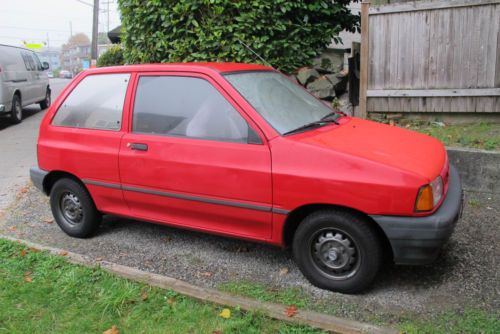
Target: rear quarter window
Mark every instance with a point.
(96, 103)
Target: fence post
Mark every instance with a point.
(363, 77)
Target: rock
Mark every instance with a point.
(307, 75)
(322, 88)
(330, 61)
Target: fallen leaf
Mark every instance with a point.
(99, 259)
(18, 241)
(216, 332)
(27, 277)
(112, 330)
(226, 313)
(23, 190)
(283, 271)
(207, 274)
(23, 253)
(34, 250)
(49, 221)
(144, 295)
(171, 301)
(291, 311)
(12, 228)
(63, 253)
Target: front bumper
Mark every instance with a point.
(418, 240)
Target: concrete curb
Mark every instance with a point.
(275, 311)
(479, 169)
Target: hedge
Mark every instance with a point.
(111, 57)
(287, 34)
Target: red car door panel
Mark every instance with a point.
(214, 185)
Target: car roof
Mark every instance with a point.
(190, 67)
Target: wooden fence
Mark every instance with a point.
(430, 56)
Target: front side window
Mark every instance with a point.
(283, 104)
(96, 103)
(186, 107)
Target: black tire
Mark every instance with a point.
(16, 113)
(73, 208)
(45, 103)
(337, 250)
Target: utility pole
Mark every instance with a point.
(95, 27)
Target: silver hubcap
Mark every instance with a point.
(335, 254)
(71, 208)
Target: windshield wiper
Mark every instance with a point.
(328, 118)
(314, 124)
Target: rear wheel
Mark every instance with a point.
(45, 103)
(337, 250)
(16, 114)
(73, 208)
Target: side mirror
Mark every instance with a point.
(45, 66)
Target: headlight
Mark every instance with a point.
(429, 195)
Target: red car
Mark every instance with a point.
(239, 150)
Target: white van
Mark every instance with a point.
(22, 81)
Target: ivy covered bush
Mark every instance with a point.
(111, 57)
(287, 34)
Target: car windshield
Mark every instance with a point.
(283, 104)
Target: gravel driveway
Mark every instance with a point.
(466, 274)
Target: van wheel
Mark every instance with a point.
(73, 208)
(337, 250)
(16, 114)
(46, 102)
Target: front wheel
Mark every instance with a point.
(16, 114)
(337, 250)
(45, 103)
(73, 208)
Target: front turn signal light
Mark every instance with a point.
(425, 199)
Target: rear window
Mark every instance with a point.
(96, 103)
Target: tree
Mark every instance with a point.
(288, 34)
(77, 39)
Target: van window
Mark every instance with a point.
(186, 107)
(37, 62)
(96, 103)
(28, 61)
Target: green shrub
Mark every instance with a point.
(111, 57)
(287, 34)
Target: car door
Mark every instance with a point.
(40, 80)
(192, 159)
(27, 79)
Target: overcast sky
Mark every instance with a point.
(35, 20)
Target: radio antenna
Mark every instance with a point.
(255, 53)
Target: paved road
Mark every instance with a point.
(18, 147)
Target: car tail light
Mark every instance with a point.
(429, 195)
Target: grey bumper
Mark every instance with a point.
(37, 176)
(418, 240)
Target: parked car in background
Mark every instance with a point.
(23, 81)
(239, 150)
(65, 74)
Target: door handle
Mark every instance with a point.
(138, 146)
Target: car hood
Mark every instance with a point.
(389, 145)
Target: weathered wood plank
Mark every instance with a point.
(433, 92)
(428, 5)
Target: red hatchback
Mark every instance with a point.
(240, 150)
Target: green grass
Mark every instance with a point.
(471, 320)
(42, 293)
(479, 135)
